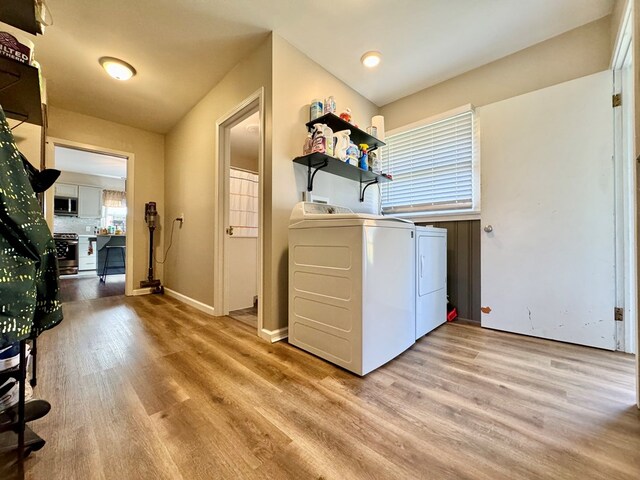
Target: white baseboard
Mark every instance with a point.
(274, 335)
(203, 307)
(141, 291)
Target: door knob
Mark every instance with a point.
(230, 230)
(488, 228)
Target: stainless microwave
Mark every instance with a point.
(65, 206)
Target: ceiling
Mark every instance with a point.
(81, 161)
(181, 49)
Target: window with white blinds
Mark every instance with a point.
(432, 167)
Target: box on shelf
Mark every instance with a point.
(12, 48)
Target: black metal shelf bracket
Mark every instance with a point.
(363, 190)
(311, 176)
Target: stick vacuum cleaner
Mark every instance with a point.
(150, 214)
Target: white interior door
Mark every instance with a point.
(547, 191)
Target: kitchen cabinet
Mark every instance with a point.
(86, 261)
(89, 202)
(66, 190)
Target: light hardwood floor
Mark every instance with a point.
(148, 388)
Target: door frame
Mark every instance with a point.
(249, 106)
(626, 194)
(51, 143)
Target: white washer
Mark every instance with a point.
(351, 285)
(431, 279)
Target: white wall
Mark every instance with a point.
(192, 176)
(296, 81)
(574, 54)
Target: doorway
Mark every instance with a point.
(239, 215)
(88, 213)
(242, 229)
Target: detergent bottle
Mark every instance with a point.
(328, 140)
(319, 140)
(341, 144)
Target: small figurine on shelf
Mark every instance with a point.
(346, 115)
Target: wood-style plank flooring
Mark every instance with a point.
(74, 288)
(148, 388)
(246, 315)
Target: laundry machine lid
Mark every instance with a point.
(322, 212)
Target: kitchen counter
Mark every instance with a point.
(117, 256)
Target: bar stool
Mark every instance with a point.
(106, 266)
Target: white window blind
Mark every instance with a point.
(432, 167)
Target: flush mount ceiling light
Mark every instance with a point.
(118, 69)
(371, 59)
(253, 128)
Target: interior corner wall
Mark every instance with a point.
(582, 51)
(148, 149)
(297, 80)
(191, 175)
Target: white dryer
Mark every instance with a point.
(431, 279)
(351, 285)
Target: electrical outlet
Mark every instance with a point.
(181, 218)
(87, 228)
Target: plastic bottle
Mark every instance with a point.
(352, 154)
(319, 140)
(308, 144)
(328, 135)
(315, 110)
(375, 165)
(341, 144)
(346, 115)
(329, 105)
(364, 157)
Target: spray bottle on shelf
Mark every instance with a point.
(364, 157)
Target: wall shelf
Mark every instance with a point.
(337, 124)
(319, 161)
(20, 14)
(20, 91)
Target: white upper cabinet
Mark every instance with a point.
(89, 202)
(66, 190)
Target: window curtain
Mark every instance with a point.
(114, 198)
(243, 203)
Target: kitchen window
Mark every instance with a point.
(435, 167)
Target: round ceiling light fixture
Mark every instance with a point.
(118, 69)
(371, 59)
(253, 128)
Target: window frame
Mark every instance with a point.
(467, 213)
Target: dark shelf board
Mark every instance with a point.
(337, 124)
(20, 91)
(20, 14)
(339, 168)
